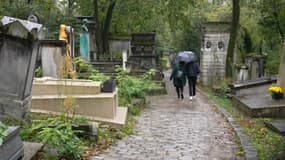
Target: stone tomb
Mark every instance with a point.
(142, 56)
(214, 51)
(18, 54)
(49, 95)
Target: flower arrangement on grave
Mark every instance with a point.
(276, 92)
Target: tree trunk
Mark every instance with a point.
(233, 36)
(107, 23)
(102, 29)
(98, 38)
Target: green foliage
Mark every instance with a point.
(86, 71)
(133, 87)
(3, 132)
(57, 133)
(269, 145)
(108, 135)
(39, 72)
(273, 62)
(134, 110)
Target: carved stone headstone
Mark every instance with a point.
(281, 78)
(18, 54)
(214, 51)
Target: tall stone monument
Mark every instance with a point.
(214, 51)
(84, 41)
(18, 53)
(281, 78)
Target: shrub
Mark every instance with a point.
(3, 132)
(133, 87)
(86, 71)
(56, 132)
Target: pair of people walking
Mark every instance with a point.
(179, 73)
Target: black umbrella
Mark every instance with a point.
(186, 56)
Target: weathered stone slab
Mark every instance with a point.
(102, 105)
(52, 55)
(31, 149)
(257, 102)
(277, 126)
(51, 86)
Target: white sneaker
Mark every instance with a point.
(190, 98)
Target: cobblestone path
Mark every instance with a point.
(173, 129)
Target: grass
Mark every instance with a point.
(268, 144)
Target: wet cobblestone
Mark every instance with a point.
(173, 129)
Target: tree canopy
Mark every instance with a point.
(177, 23)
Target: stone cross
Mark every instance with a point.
(281, 78)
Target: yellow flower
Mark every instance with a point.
(275, 89)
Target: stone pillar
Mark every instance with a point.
(281, 78)
(18, 51)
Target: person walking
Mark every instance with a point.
(192, 70)
(179, 79)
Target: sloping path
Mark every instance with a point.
(173, 129)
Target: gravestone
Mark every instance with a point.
(18, 51)
(18, 54)
(214, 51)
(118, 46)
(256, 66)
(143, 56)
(52, 56)
(281, 78)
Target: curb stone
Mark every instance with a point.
(247, 146)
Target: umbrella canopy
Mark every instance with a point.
(186, 56)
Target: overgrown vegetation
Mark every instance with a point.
(3, 132)
(133, 87)
(268, 144)
(87, 71)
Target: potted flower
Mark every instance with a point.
(276, 92)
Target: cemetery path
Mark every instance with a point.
(173, 129)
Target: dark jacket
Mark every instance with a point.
(192, 69)
(178, 81)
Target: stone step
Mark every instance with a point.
(118, 121)
(50, 86)
(101, 105)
